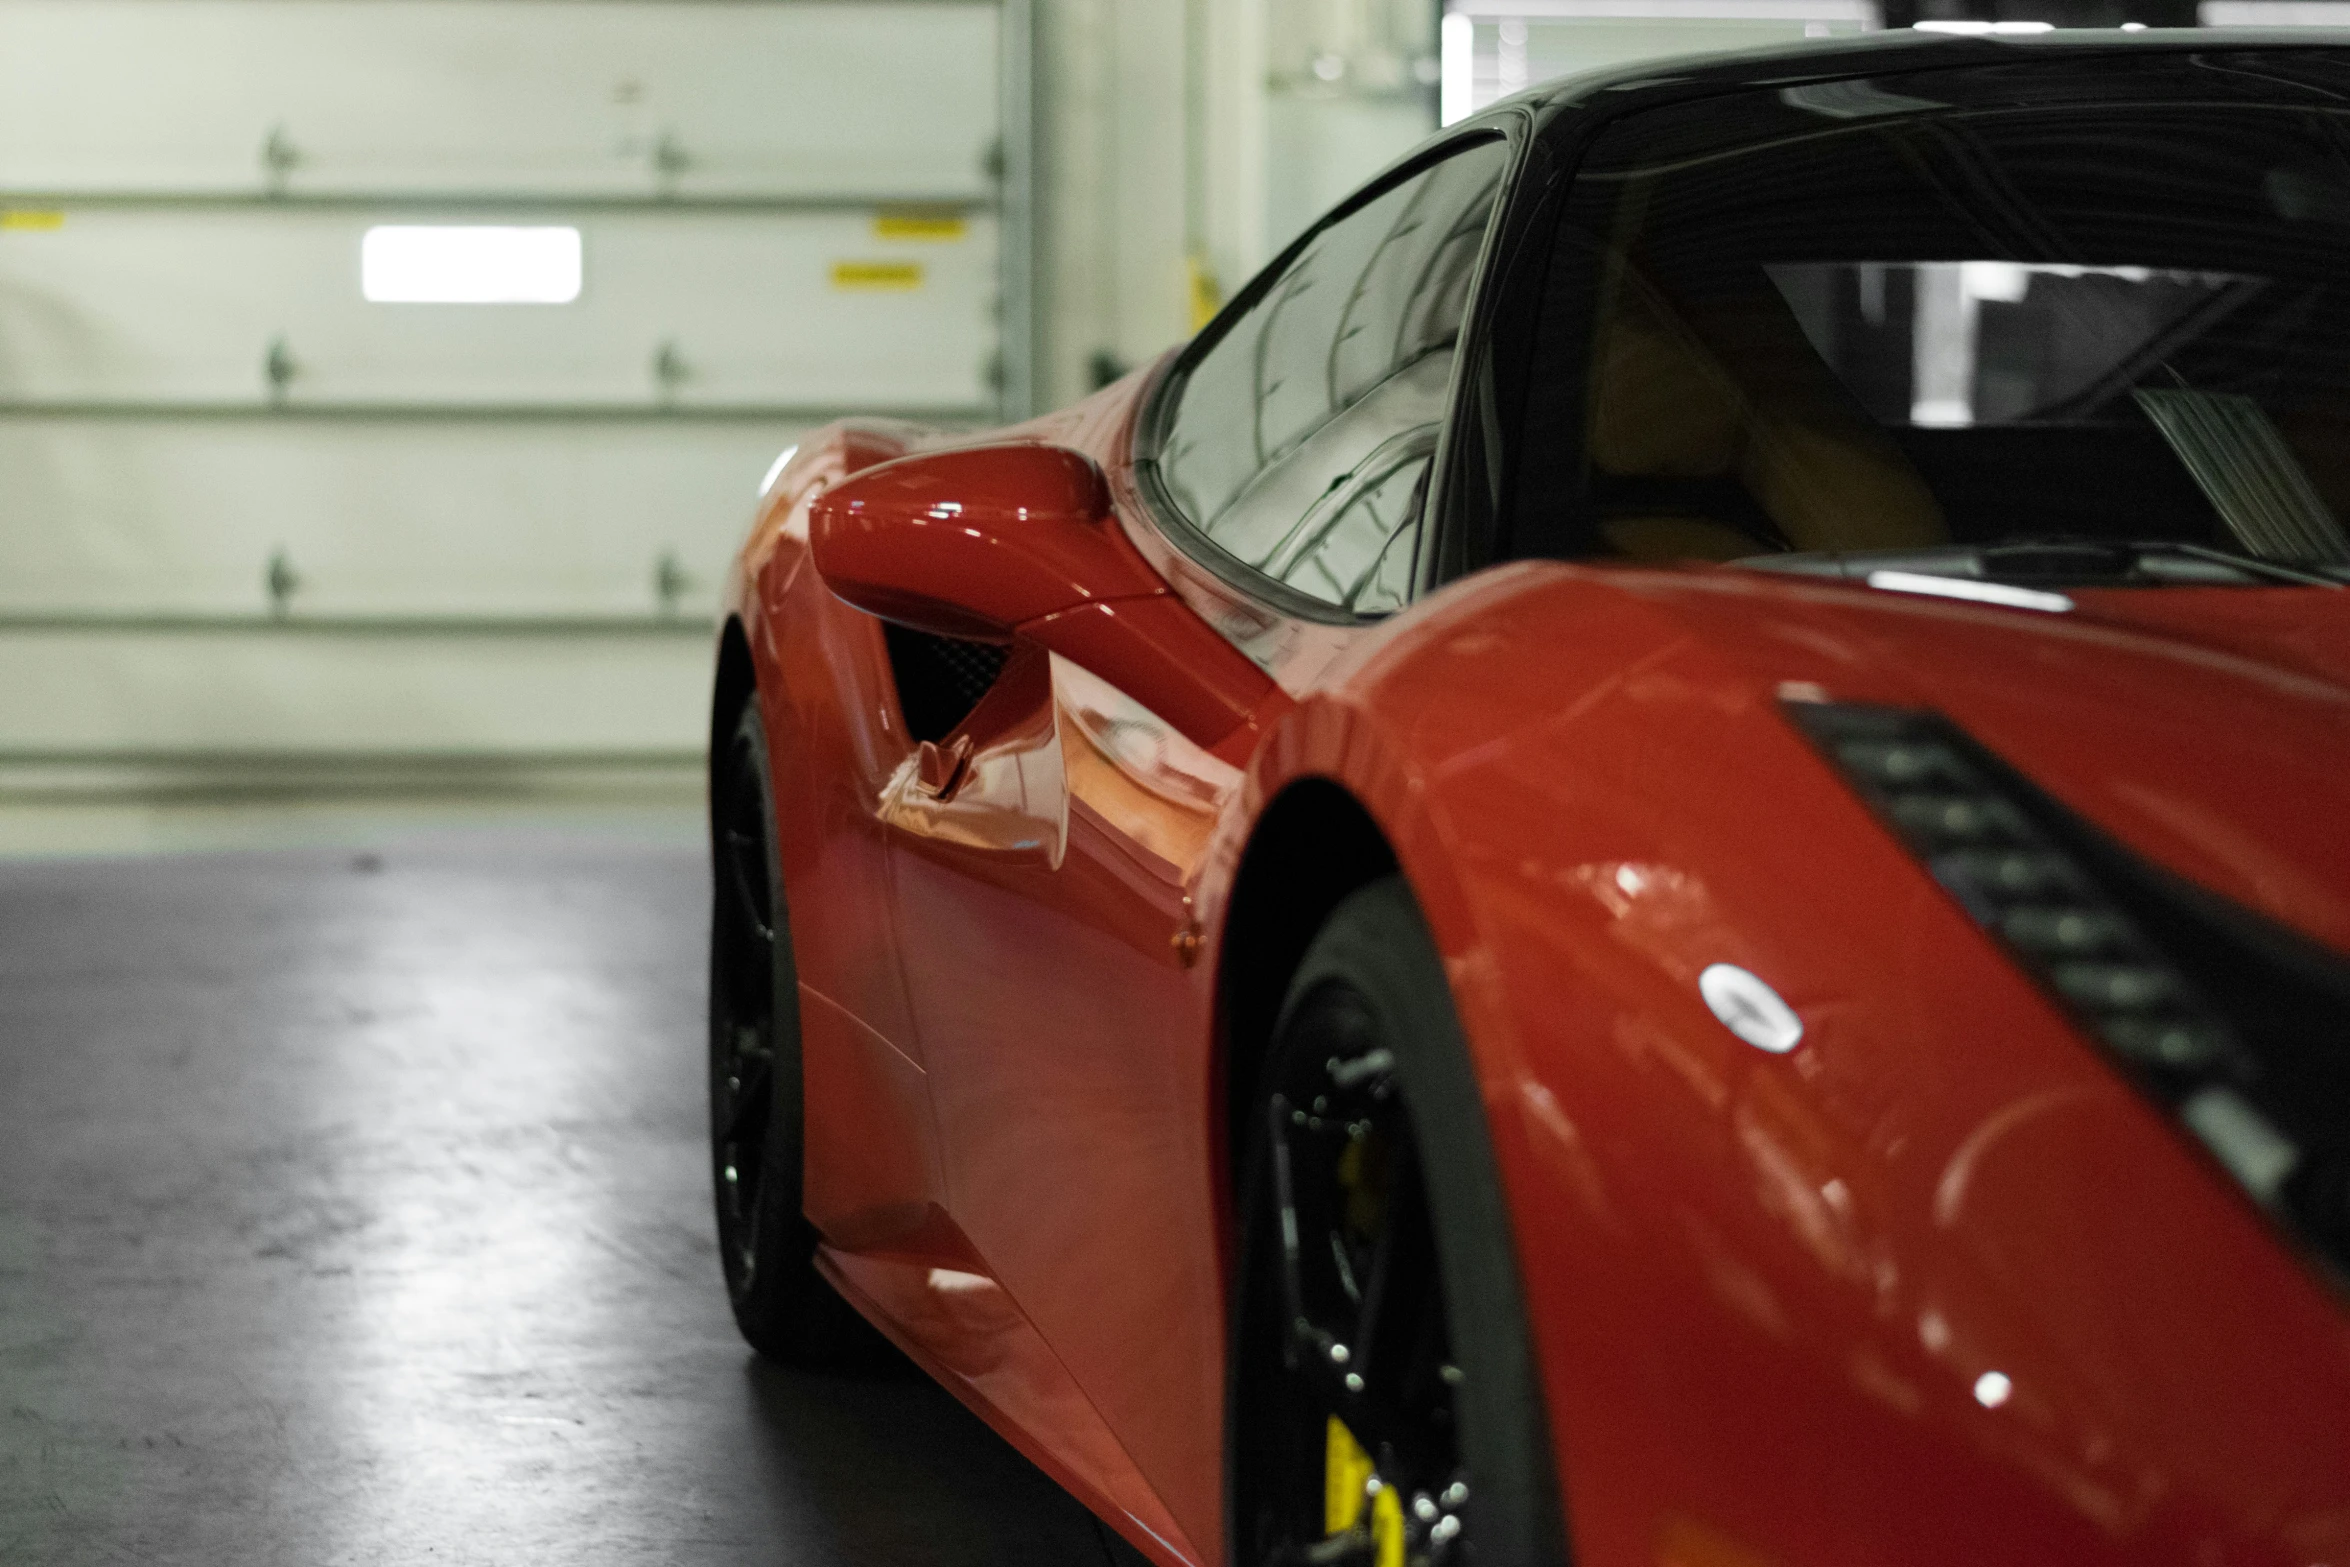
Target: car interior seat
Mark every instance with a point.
(1692, 462)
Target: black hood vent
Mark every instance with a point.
(2237, 1026)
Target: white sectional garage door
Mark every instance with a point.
(247, 511)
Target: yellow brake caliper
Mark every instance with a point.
(1347, 1477)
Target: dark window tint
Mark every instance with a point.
(1302, 436)
(1867, 319)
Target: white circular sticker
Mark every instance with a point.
(1750, 1009)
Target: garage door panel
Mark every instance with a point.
(806, 98)
(786, 211)
(496, 519)
(824, 310)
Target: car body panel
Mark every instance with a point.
(1936, 1287)
(1070, 832)
(1104, 1101)
(1771, 1283)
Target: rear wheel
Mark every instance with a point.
(1382, 1408)
(781, 1303)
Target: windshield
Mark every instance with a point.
(1853, 318)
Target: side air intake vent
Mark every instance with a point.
(2237, 1026)
(939, 679)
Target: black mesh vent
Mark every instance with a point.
(940, 679)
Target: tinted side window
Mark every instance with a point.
(1341, 368)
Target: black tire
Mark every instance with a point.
(1366, 1128)
(784, 1307)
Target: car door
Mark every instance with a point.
(1046, 865)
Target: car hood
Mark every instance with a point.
(1595, 778)
(2208, 729)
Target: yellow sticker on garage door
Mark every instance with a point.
(25, 218)
(918, 225)
(877, 274)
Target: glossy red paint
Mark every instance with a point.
(1771, 1285)
(1767, 1291)
(977, 542)
(996, 543)
(1164, 655)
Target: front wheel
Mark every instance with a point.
(1382, 1409)
(783, 1306)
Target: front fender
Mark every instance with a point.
(1936, 1286)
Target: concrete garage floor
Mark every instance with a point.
(353, 1209)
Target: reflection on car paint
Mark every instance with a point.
(1009, 796)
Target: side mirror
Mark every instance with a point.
(975, 543)
(989, 543)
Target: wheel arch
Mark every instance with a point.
(1323, 836)
(1312, 845)
(732, 686)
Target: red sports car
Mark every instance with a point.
(1651, 865)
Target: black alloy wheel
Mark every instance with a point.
(1382, 1410)
(766, 1245)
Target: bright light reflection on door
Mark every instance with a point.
(408, 264)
